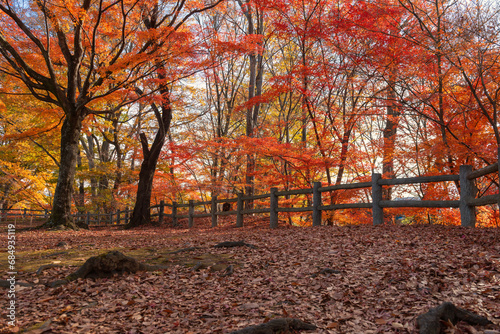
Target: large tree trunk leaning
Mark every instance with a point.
(430, 322)
(141, 214)
(61, 207)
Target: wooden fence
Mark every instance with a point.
(33, 218)
(23, 217)
(466, 203)
(119, 217)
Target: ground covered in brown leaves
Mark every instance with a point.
(380, 279)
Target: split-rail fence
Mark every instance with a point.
(466, 203)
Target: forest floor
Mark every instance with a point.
(382, 278)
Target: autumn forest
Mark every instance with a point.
(114, 104)
(320, 117)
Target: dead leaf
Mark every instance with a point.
(249, 306)
(332, 325)
(397, 325)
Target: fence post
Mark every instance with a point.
(316, 204)
(239, 212)
(162, 211)
(214, 211)
(191, 213)
(273, 217)
(117, 217)
(377, 211)
(45, 213)
(88, 219)
(174, 213)
(126, 215)
(467, 192)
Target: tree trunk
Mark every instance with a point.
(80, 198)
(249, 177)
(255, 26)
(61, 208)
(390, 131)
(119, 160)
(89, 153)
(141, 214)
(343, 155)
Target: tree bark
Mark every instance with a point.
(255, 26)
(61, 208)
(106, 265)
(430, 322)
(390, 131)
(80, 197)
(275, 326)
(141, 214)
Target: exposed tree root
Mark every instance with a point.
(7, 284)
(67, 224)
(228, 271)
(199, 265)
(62, 244)
(234, 244)
(430, 322)
(47, 266)
(275, 326)
(106, 265)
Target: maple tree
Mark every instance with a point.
(163, 112)
(280, 93)
(224, 82)
(255, 16)
(150, 101)
(72, 55)
(27, 154)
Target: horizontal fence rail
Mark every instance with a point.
(23, 217)
(235, 206)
